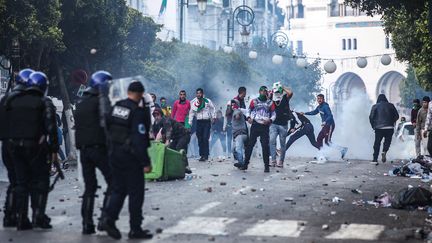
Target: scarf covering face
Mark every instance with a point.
(199, 104)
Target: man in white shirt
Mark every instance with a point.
(204, 111)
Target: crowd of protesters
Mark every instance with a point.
(199, 126)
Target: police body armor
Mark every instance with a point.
(4, 119)
(4, 107)
(120, 121)
(26, 117)
(87, 122)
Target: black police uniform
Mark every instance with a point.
(129, 124)
(9, 219)
(32, 121)
(91, 141)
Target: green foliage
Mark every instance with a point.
(410, 88)
(407, 22)
(220, 74)
(303, 81)
(35, 25)
(57, 36)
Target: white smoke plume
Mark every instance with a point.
(354, 131)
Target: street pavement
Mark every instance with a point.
(222, 204)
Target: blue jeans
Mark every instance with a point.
(218, 136)
(229, 137)
(282, 131)
(239, 144)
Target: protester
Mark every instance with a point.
(193, 149)
(299, 127)
(181, 108)
(261, 114)
(414, 111)
(383, 117)
(156, 105)
(328, 125)
(166, 109)
(279, 127)
(400, 125)
(60, 138)
(229, 114)
(172, 133)
(428, 128)
(204, 111)
(239, 131)
(420, 127)
(218, 132)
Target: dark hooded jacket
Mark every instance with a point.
(383, 114)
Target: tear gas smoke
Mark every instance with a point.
(354, 131)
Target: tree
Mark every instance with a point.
(409, 22)
(35, 25)
(410, 89)
(304, 81)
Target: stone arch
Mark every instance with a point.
(347, 85)
(388, 84)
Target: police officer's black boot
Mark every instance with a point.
(23, 222)
(40, 219)
(10, 213)
(108, 225)
(139, 233)
(87, 215)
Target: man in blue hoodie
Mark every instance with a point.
(328, 124)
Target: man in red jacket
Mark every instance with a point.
(181, 108)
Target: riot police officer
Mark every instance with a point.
(32, 119)
(9, 219)
(128, 125)
(91, 141)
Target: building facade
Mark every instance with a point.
(329, 29)
(211, 28)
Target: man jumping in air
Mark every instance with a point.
(328, 124)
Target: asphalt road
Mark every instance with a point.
(223, 204)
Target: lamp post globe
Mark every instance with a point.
(253, 54)
(385, 59)
(277, 59)
(301, 62)
(202, 6)
(228, 49)
(330, 66)
(362, 62)
(244, 35)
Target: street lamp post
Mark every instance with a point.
(15, 63)
(245, 16)
(15, 55)
(181, 5)
(202, 7)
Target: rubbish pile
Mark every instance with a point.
(419, 168)
(408, 198)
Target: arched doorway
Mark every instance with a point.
(347, 86)
(388, 84)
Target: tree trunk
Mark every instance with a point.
(67, 108)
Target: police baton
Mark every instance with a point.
(60, 174)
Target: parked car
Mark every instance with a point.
(405, 132)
